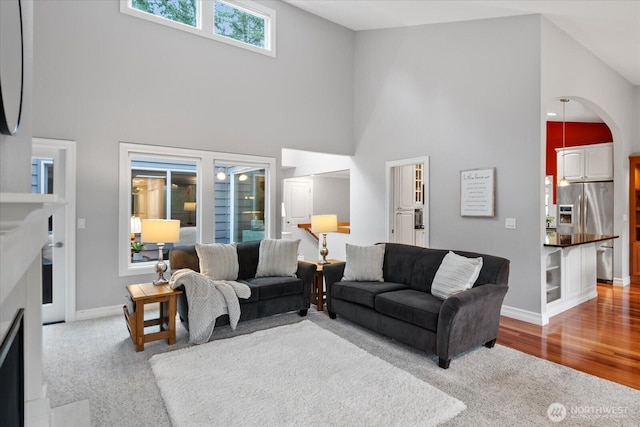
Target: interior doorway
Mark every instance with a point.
(53, 172)
(407, 201)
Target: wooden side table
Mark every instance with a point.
(148, 293)
(317, 291)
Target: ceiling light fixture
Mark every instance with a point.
(564, 182)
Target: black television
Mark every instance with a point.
(12, 374)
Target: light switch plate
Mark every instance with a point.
(81, 223)
(510, 223)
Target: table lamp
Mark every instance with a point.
(324, 224)
(136, 227)
(190, 207)
(160, 231)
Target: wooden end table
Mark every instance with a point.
(148, 293)
(317, 290)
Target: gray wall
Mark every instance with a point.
(15, 151)
(468, 96)
(101, 77)
(331, 196)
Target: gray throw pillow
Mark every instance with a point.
(455, 274)
(364, 263)
(218, 261)
(278, 257)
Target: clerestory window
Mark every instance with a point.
(244, 24)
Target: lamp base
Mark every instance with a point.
(161, 267)
(324, 251)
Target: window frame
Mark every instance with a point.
(205, 179)
(205, 16)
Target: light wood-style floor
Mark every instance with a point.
(600, 337)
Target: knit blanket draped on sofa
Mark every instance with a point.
(208, 300)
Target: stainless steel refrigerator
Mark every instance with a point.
(587, 208)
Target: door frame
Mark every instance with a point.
(67, 149)
(390, 192)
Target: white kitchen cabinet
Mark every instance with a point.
(420, 237)
(598, 162)
(404, 185)
(571, 277)
(586, 163)
(404, 227)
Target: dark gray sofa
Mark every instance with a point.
(403, 308)
(269, 295)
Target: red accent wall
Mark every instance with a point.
(576, 133)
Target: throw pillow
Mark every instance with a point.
(218, 261)
(364, 263)
(455, 274)
(277, 257)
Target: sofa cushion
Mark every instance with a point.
(274, 287)
(364, 263)
(412, 306)
(218, 261)
(248, 253)
(255, 292)
(399, 261)
(455, 274)
(278, 257)
(363, 293)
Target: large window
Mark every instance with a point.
(245, 24)
(218, 197)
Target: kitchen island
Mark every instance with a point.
(570, 266)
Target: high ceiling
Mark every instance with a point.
(609, 29)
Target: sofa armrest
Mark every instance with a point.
(306, 272)
(469, 319)
(332, 273)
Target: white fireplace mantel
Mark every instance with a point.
(23, 232)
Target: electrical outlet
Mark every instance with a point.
(510, 223)
(81, 223)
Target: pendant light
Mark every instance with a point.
(564, 182)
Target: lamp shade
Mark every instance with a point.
(136, 225)
(189, 206)
(324, 223)
(160, 230)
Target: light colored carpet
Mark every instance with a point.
(262, 379)
(96, 360)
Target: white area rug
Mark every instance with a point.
(298, 374)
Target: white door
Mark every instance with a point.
(401, 186)
(298, 207)
(53, 172)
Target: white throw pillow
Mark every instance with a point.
(364, 263)
(278, 257)
(455, 274)
(218, 261)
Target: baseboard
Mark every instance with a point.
(524, 315)
(94, 313)
(625, 281)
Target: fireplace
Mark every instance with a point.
(12, 374)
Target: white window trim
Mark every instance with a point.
(205, 172)
(204, 27)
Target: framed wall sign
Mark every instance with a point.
(477, 192)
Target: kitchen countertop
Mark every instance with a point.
(557, 240)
